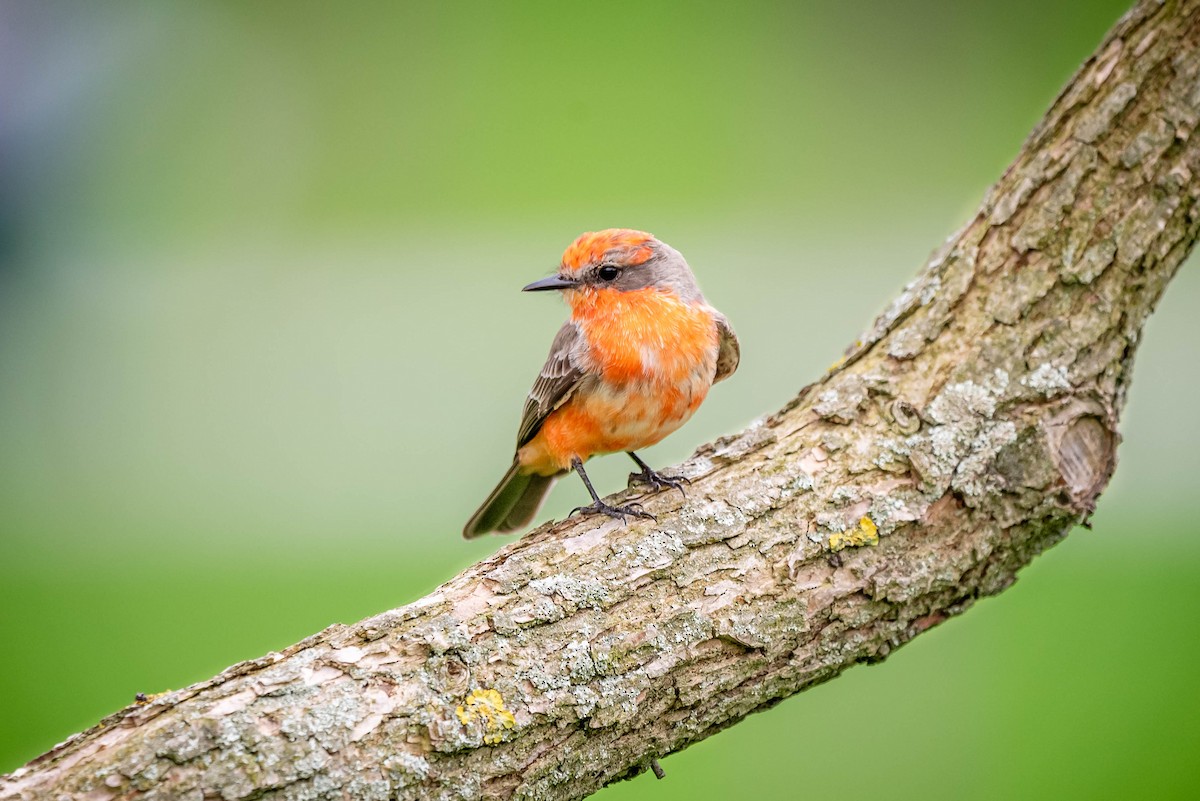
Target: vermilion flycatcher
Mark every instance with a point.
(632, 364)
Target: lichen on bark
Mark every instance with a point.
(970, 428)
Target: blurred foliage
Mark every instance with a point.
(261, 349)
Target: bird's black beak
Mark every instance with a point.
(553, 282)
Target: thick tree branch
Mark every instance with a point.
(972, 427)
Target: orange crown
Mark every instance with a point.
(633, 247)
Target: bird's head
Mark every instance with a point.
(620, 260)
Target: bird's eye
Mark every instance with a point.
(608, 272)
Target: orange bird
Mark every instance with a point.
(632, 364)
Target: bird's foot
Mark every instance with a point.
(600, 507)
(659, 481)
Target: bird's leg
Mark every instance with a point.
(597, 505)
(655, 479)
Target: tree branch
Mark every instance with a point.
(971, 428)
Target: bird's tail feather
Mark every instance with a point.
(511, 505)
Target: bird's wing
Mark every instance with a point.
(729, 352)
(559, 379)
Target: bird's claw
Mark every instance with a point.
(658, 481)
(599, 507)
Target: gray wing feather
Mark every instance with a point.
(730, 353)
(559, 379)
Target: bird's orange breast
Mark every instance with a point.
(646, 335)
(652, 358)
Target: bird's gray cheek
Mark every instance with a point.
(634, 279)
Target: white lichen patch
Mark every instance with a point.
(699, 517)
(889, 512)
(845, 495)
(958, 402)
(539, 609)
(656, 550)
(907, 342)
(971, 477)
(328, 722)
(365, 788)
(684, 629)
(957, 451)
(183, 743)
(843, 402)
(585, 700)
(444, 633)
(891, 454)
(1047, 379)
(543, 681)
(228, 733)
(799, 482)
(830, 521)
(618, 698)
(580, 593)
(577, 659)
(404, 769)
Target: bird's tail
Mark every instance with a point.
(512, 504)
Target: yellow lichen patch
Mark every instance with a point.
(488, 706)
(864, 534)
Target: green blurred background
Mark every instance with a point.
(262, 349)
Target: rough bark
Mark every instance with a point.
(972, 427)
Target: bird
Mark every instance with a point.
(636, 358)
